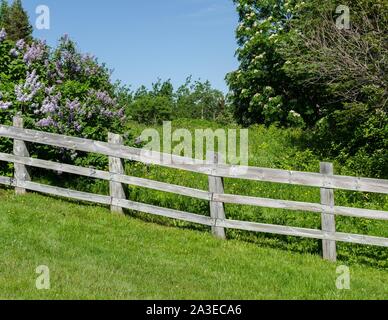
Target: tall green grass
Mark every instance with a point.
(271, 148)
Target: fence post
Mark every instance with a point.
(20, 149)
(328, 218)
(116, 166)
(216, 185)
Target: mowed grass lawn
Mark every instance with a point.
(93, 254)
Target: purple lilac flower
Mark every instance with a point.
(77, 67)
(50, 104)
(20, 44)
(58, 69)
(103, 97)
(77, 127)
(87, 58)
(27, 91)
(3, 35)
(14, 53)
(49, 91)
(88, 71)
(46, 122)
(107, 113)
(73, 105)
(67, 56)
(35, 52)
(5, 105)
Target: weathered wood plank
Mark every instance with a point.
(216, 185)
(104, 148)
(194, 193)
(20, 149)
(116, 166)
(6, 181)
(269, 203)
(106, 200)
(194, 165)
(329, 247)
(302, 232)
(303, 178)
(240, 225)
(104, 175)
(361, 213)
(164, 212)
(300, 206)
(66, 193)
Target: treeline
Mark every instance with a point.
(302, 64)
(194, 100)
(62, 90)
(14, 20)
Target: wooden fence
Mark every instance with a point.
(116, 151)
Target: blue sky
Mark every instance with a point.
(144, 40)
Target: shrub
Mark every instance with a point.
(60, 91)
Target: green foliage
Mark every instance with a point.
(4, 14)
(151, 110)
(350, 66)
(199, 100)
(60, 91)
(297, 68)
(15, 21)
(261, 92)
(271, 148)
(194, 100)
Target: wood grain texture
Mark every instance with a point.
(194, 218)
(216, 170)
(109, 201)
(108, 176)
(329, 247)
(20, 149)
(194, 193)
(302, 232)
(301, 206)
(216, 185)
(195, 165)
(116, 166)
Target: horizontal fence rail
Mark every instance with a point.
(195, 165)
(216, 196)
(194, 218)
(194, 193)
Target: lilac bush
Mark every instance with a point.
(58, 90)
(26, 91)
(3, 35)
(35, 52)
(5, 105)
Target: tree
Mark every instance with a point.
(199, 100)
(297, 67)
(151, 110)
(4, 14)
(195, 100)
(261, 92)
(350, 65)
(15, 21)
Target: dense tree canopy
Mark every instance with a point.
(298, 68)
(15, 21)
(194, 99)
